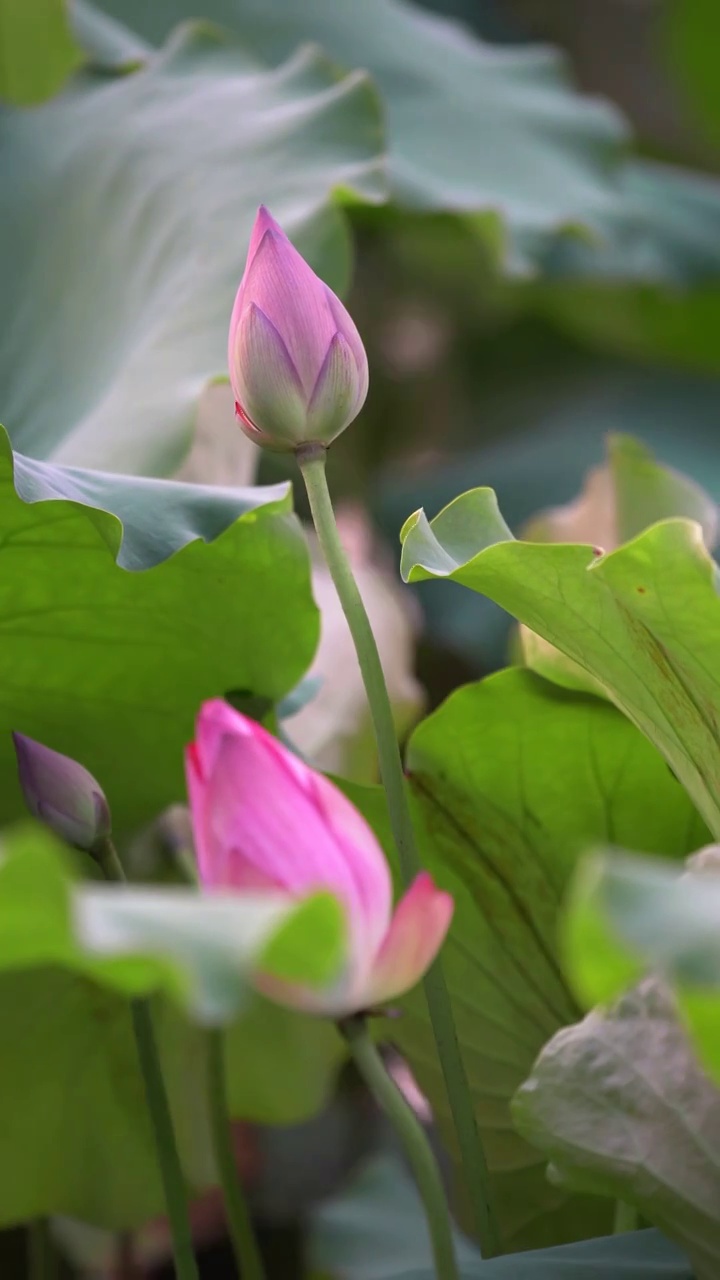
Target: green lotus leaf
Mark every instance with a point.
(511, 780)
(38, 50)
(112, 636)
(76, 1137)
(643, 620)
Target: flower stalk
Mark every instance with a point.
(42, 1259)
(625, 1218)
(157, 1101)
(242, 1234)
(414, 1142)
(311, 460)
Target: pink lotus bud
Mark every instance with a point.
(298, 368)
(61, 793)
(263, 820)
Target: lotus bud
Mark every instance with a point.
(62, 794)
(264, 820)
(298, 367)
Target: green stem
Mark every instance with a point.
(158, 1106)
(245, 1246)
(414, 1141)
(626, 1218)
(42, 1259)
(311, 460)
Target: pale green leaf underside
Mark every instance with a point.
(108, 44)
(530, 157)
(375, 1230)
(660, 230)
(129, 203)
(620, 1107)
(199, 949)
(528, 153)
(156, 517)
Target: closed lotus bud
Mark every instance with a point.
(298, 367)
(61, 793)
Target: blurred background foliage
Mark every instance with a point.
(536, 264)
(522, 206)
(486, 373)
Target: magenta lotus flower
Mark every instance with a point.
(264, 820)
(61, 793)
(298, 368)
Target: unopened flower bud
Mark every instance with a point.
(298, 367)
(61, 793)
(264, 820)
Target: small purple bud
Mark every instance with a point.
(61, 793)
(298, 367)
